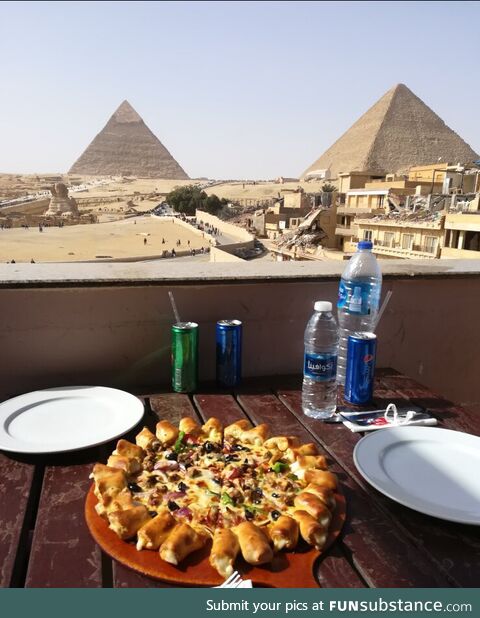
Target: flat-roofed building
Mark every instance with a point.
(462, 231)
(287, 213)
(408, 236)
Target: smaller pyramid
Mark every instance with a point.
(126, 147)
(399, 131)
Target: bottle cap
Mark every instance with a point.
(323, 305)
(365, 244)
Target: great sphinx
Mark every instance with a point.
(60, 204)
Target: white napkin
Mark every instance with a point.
(391, 418)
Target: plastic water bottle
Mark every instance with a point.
(319, 392)
(358, 299)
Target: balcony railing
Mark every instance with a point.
(354, 210)
(110, 323)
(343, 230)
(397, 248)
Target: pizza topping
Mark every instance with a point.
(170, 455)
(226, 499)
(182, 486)
(231, 458)
(179, 446)
(274, 515)
(239, 447)
(212, 493)
(134, 487)
(279, 466)
(166, 465)
(209, 447)
(173, 506)
(184, 512)
(235, 474)
(174, 495)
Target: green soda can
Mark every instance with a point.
(184, 357)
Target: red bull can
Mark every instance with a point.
(229, 353)
(361, 354)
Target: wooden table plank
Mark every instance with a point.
(63, 553)
(334, 569)
(224, 407)
(17, 481)
(452, 549)
(172, 407)
(451, 415)
(379, 549)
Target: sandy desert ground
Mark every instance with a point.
(114, 236)
(119, 239)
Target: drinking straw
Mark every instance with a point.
(382, 309)
(174, 307)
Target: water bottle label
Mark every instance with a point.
(320, 367)
(358, 298)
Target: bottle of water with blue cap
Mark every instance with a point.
(358, 299)
(319, 391)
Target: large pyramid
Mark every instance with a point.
(397, 132)
(126, 146)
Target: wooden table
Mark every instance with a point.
(44, 541)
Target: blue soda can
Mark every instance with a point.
(361, 352)
(229, 352)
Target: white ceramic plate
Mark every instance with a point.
(65, 419)
(434, 471)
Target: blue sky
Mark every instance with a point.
(233, 90)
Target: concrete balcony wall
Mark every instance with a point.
(400, 252)
(462, 221)
(465, 254)
(352, 210)
(110, 324)
(343, 230)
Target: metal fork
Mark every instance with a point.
(231, 582)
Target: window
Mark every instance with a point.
(430, 244)
(388, 239)
(407, 241)
(472, 241)
(367, 235)
(380, 200)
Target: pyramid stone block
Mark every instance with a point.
(127, 147)
(399, 131)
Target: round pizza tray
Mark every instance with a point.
(287, 570)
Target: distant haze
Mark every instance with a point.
(233, 90)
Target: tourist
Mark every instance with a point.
(32, 261)
(188, 243)
(174, 253)
(13, 262)
(163, 241)
(144, 241)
